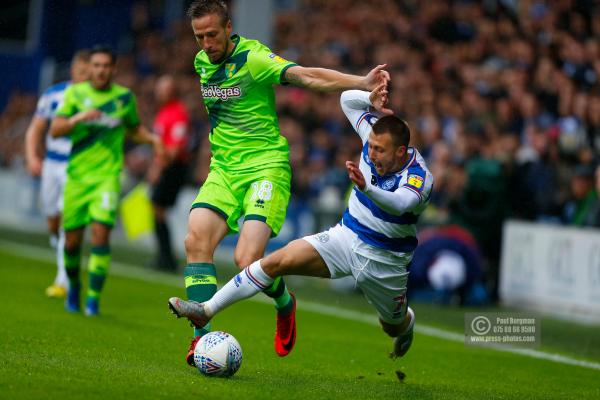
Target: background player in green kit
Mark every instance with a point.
(96, 114)
(249, 172)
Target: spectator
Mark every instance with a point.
(169, 175)
(583, 196)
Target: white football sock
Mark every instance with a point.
(245, 284)
(411, 324)
(61, 273)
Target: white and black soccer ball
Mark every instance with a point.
(218, 354)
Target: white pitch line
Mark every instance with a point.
(127, 270)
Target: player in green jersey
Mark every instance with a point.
(96, 114)
(249, 172)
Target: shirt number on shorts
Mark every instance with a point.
(262, 190)
(109, 201)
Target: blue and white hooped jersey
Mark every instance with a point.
(393, 232)
(57, 149)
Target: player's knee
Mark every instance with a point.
(72, 245)
(100, 234)
(191, 242)
(242, 260)
(100, 238)
(196, 243)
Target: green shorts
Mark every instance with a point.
(90, 201)
(261, 196)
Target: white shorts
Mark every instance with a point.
(54, 176)
(383, 284)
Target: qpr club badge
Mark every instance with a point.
(388, 183)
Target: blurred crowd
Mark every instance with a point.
(503, 99)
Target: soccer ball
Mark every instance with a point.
(218, 354)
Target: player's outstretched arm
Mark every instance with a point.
(327, 80)
(62, 126)
(33, 137)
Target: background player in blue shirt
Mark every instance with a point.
(48, 159)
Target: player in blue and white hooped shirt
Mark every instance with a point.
(51, 163)
(375, 241)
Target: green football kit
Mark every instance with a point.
(92, 188)
(249, 171)
(96, 160)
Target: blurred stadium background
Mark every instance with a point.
(503, 98)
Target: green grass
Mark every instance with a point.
(135, 350)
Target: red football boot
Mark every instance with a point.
(190, 355)
(285, 336)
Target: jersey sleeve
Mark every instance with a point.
(267, 67)
(42, 109)
(68, 107)
(131, 119)
(355, 104)
(420, 182)
(396, 203)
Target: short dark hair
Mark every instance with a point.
(200, 8)
(104, 49)
(81, 55)
(396, 127)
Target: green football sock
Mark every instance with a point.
(279, 293)
(72, 265)
(200, 286)
(97, 270)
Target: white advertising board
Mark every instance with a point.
(552, 269)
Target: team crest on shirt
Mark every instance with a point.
(229, 70)
(415, 181)
(388, 183)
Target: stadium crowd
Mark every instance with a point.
(503, 99)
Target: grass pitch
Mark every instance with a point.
(135, 350)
